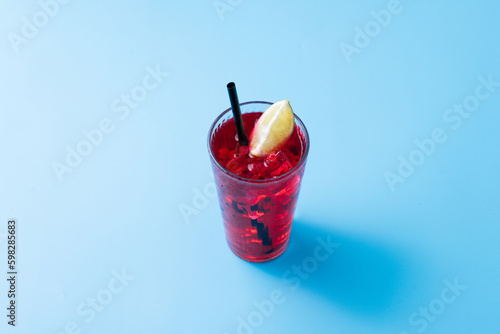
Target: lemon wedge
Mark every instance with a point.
(273, 129)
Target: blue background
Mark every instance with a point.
(120, 210)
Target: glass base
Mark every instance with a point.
(262, 258)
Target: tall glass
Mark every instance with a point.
(257, 214)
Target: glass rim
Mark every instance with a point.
(244, 179)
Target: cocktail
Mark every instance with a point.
(258, 181)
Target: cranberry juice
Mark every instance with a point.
(257, 195)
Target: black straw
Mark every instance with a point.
(235, 106)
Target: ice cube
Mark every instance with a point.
(284, 164)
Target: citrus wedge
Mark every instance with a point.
(273, 129)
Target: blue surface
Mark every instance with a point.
(103, 246)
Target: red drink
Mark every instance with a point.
(257, 195)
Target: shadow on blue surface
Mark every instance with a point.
(361, 275)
